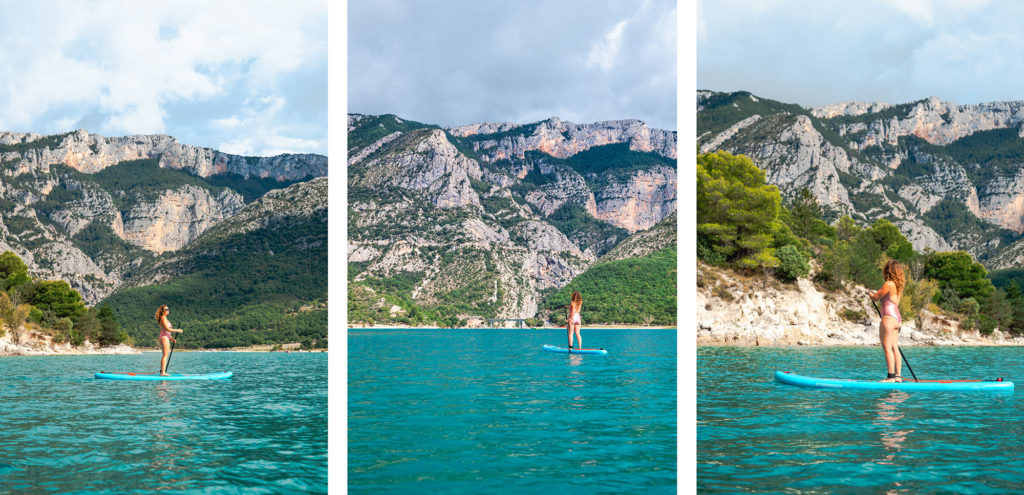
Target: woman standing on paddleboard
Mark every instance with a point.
(573, 323)
(888, 330)
(165, 336)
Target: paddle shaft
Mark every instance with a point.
(897, 345)
(169, 356)
(568, 327)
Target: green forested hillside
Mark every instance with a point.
(629, 291)
(236, 288)
(523, 227)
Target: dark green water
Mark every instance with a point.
(262, 431)
(758, 436)
(485, 411)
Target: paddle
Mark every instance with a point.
(904, 356)
(568, 328)
(169, 356)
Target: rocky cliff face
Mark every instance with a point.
(66, 222)
(645, 242)
(564, 139)
(875, 160)
(638, 204)
(427, 162)
(468, 219)
(937, 122)
(177, 217)
(91, 153)
(294, 204)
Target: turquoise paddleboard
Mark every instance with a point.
(552, 348)
(123, 375)
(998, 385)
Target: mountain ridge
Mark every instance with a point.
(446, 224)
(947, 175)
(94, 210)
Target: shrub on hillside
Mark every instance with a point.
(792, 264)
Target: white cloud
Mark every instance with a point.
(464, 61)
(604, 52)
(918, 10)
(227, 123)
(814, 53)
(127, 66)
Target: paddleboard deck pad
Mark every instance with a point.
(124, 375)
(790, 378)
(551, 348)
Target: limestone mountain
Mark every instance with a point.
(257, 277)
(949, 176)
(100, 212)
(484, 220)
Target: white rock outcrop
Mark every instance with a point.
(91, 153)
(564, 139)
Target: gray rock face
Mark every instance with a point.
(794, 156)
(564, 139)
(425, 211)
(851, 109)
(96, 206)
(296, 203)
(645, 242)
(424, 161)
(51, 208)
(648, 197)
(860, 169)
(570, 187)
(544, 237)
(935, 121)
(178, 217)
(91, 153)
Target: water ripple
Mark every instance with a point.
(490, 412)
(754, 435)
(263, 431)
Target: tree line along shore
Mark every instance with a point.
(51, 310)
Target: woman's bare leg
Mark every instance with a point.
(576, 329)
(887, 332)
(165, 346)
(894, 331)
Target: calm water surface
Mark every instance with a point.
(488, 411)
(756, 435)
(262, 431)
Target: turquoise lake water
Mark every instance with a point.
(488, 411)
(262, 431)
(755, 435)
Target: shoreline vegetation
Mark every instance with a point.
(51, 311)
(45, 347)
(776, 274)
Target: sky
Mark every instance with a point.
(466, 61)
(894, 51)
(244, 77)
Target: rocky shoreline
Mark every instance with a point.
(44, 347)
(751, 311)
(40, 346)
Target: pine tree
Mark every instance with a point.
(737, 211)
